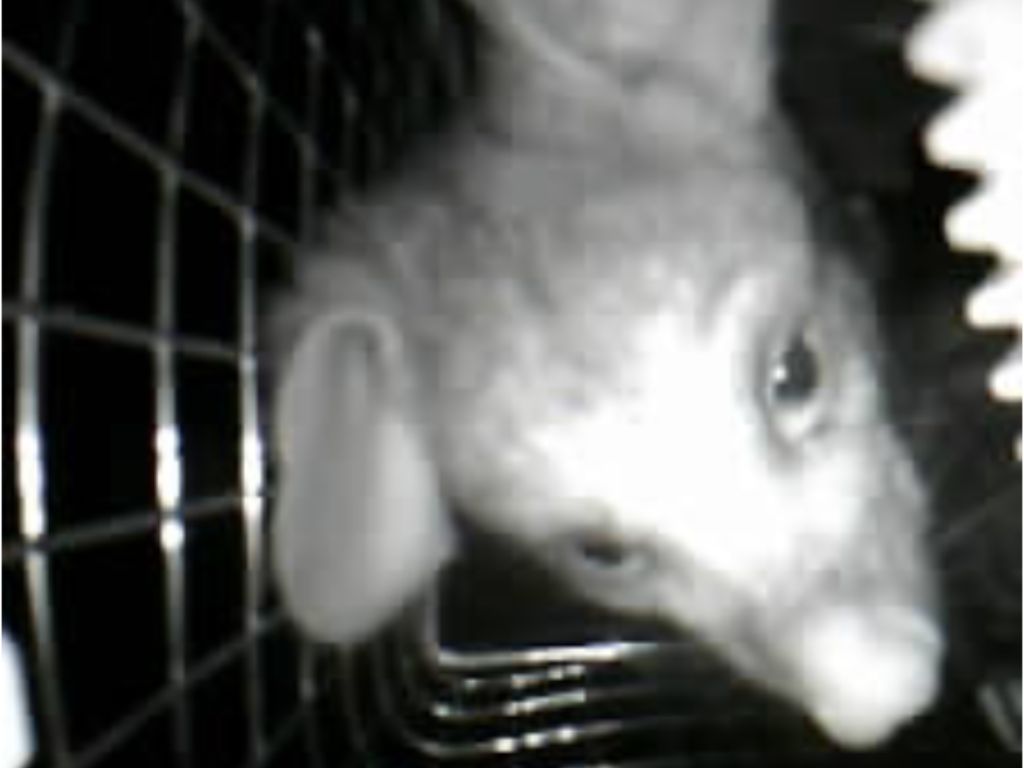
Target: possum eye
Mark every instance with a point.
(794, 376)
(794, 381)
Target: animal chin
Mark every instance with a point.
(863, 677)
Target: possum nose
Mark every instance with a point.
(866, 674)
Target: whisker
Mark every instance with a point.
(972, 519)
(964, 447)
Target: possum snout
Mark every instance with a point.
(865, 672)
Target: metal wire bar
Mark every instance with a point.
(124, 729)
(315, 62)
(251, 446)
(114, 529)
(308, 691)
(252, 80)
(556, 655)
(33, 521)
(167, 440)
(74, 322)
(277, 740)
(357, 726)
(42, 77)
(448, 658)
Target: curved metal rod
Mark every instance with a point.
(591, 652)
(467, 743)
(488, 683)
(567, 735)
(447, 704)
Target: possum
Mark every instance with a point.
(598, 320)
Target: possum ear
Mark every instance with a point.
(360, 527)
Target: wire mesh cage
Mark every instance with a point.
(166, 161)
(165, 158)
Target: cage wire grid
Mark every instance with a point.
(47, 69)
(141, 598)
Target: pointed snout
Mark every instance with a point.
(864, 674)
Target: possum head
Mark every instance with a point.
(702, 438)
(681, 416)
